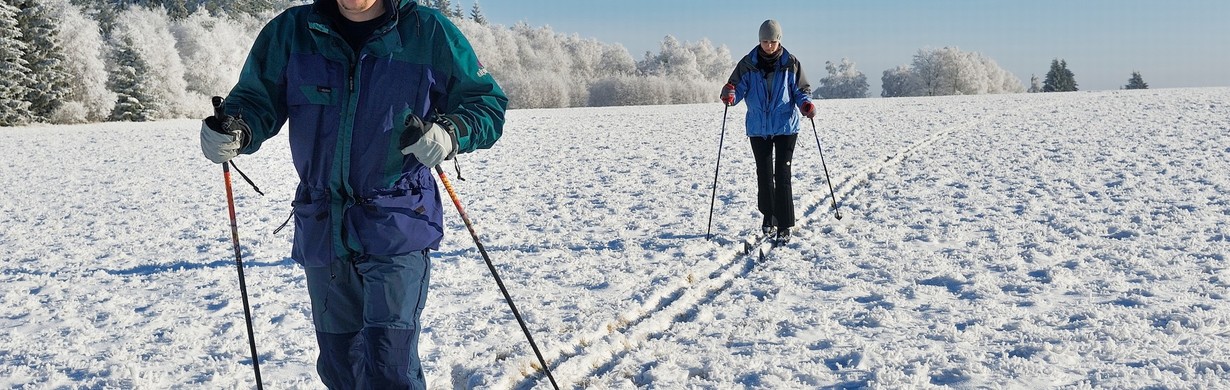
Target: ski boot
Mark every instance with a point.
(783, 235)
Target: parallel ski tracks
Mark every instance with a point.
(597, 352)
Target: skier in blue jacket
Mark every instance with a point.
(377, 93)
(772, 82)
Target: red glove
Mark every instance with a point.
(728, 94)
(808, 110)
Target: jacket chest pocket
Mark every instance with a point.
(312, 80)
(314, 88)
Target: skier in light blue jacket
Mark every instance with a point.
(772, 82)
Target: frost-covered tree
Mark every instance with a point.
(476, 14)
(928, 73)
(220, 45)
(1136, 82)
(544, 77)
(1035, 85)
(899, 82)
(45, 56)
(616, 61)
(843, 82)
(1059, 78)
(15, 77)
(713, 63)
(623, 90)
(949, 71)
(88, 99)
(998, 79)
(674, 60)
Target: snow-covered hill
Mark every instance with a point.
(1028, 241)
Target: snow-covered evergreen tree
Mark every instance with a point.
(1136, 82)
(15, 77)
(176, 9)
(129, 75)
(445, 7)
(843, 82)
(232, 8)
(476, 14)
(46, 58)
(1059, 78)
(147, 32)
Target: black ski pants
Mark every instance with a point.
(774, 196)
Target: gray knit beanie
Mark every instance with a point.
(770, 31)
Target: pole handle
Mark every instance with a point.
(217, 102)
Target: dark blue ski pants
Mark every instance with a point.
(366, 314)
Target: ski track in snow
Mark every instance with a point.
(604, 347)
(1020, 241)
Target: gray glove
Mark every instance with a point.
(431, 143)
(221, 139)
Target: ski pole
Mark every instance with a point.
(507, 298)
(243, 285)
(826, 169)
(713, 198)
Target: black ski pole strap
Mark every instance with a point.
(245, 178)
(457, 166)
(284, 223)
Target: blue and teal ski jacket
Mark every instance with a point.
(358, 194)
(773, 98)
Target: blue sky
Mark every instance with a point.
(1176, 43)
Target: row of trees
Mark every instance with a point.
(64, 63)
(71, 61)
(539, 68)
(1061, 79)
(949, 71)
(933, 72)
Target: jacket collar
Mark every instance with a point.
(328, 9)
(756, 56)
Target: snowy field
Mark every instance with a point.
(1074, 240)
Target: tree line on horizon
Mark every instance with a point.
(79, 61)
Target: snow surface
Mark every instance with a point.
(1022, 241)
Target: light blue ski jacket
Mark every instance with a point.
(773, 98)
